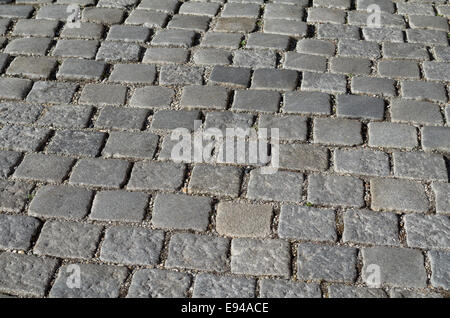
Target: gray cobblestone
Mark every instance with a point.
(277, 288)
(211, 286)
(46, 168)
(14, 88)
(131, 145)
(363, 162)
(200, 252)
(25, 274)
(361, 226)
(436, 138)
(17, 231)
(133, 73)
(99, 281)
(221, 180)
(154, 175)
(72, 142)
(439, 262)
(68, 239)
(52, 93)
(256, 100)
(179, 211)
(281, 186)
(303, 157)
(343, 291)
(243, 220)
(126, 245)
(109, 173)
(61, 202)
(313, 262)
(304, 223)
(119, 206)
(260, 257)
(19, 113)
(405, 293)
(427, 231)
(335, 190)
(204, 97)
(415, 165)
(8, 159)
(307, 103)
(398, 195)
(416, 112)
(156, 283)
(398, 266)
(423, 91)
(22, 138)
(392, 135)
(329, 83)
(337, 131)
(442, 197)
(360, 107)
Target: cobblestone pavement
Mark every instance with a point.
(92, 204)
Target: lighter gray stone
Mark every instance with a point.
(277, 288)
(25, 274)
(440, 261)
(132, 246)
(243, 219)
(200, 252)
(16, 231)
(398, 195)
(260, 257)
(427, 231)
(97, 281)
(399, 267)
(361, 226)
(157, 283)
(61, 201)
(212, 286)
(68, 240)
(336, 190)
(306, 223)
(314, 262)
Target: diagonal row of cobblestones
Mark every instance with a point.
(92, 90)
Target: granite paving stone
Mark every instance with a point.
(243, 220)
(260, 257)
(46, 168)
(17, 231)
(363, 226)
(61, 201)
(68, 239)
(180, 211)
(119, 206)
(199, 252)
(305, 223)
(280, 288)
(439, 263)
(427, 231)
(109, 173)
(157, 283)
(211, 286)
(398, 195)
(126, 245)
(442, 197)
(398, 267)
(313, 262)
(26, 275)
(99, 281)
